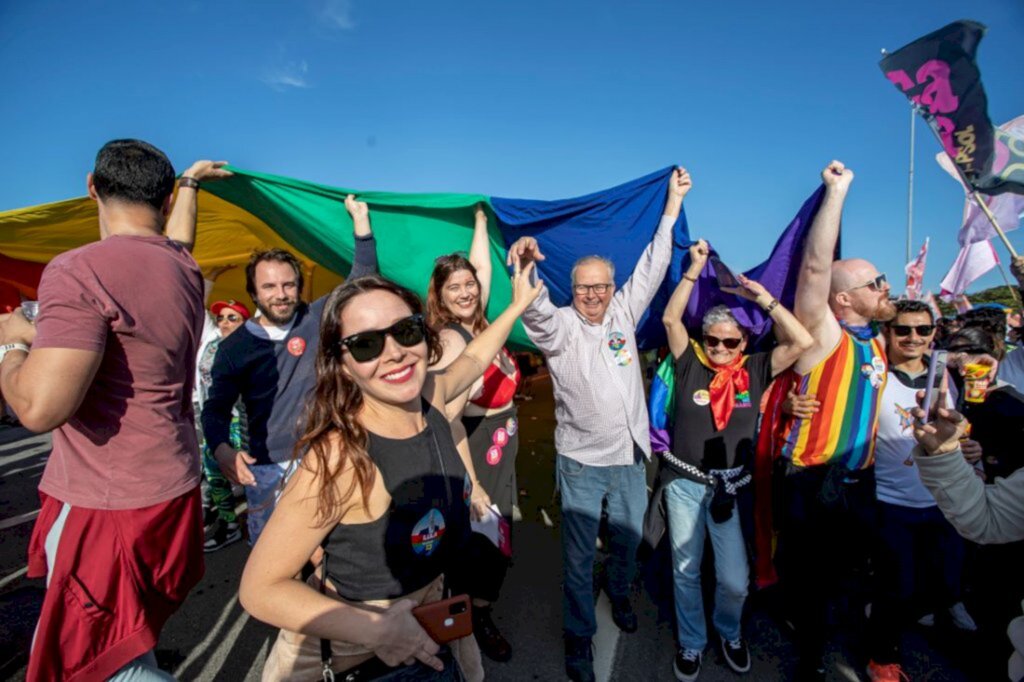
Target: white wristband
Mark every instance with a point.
(8, 347)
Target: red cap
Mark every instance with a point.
(239, 308)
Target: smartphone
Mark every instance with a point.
(727, 281)
(446, 620)
(533, 274)
(936, 380)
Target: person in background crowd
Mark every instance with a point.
(602, 434)
(914, 538)
(268, 365)
(944, 328)
(826, 469)
(219, 517)
(110, 371)
(380, 487)
(982, 513)
(1011, 369)
(718, 391)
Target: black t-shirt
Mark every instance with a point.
(695, 440)
(998, 425)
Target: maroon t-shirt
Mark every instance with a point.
(139, 302)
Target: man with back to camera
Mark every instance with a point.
(119, 535)
(602, 433)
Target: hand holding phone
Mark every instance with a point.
(936, 381)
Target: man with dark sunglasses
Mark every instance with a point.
(269, 365)
(602, 435)
(826, 465)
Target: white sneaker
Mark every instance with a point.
(961, 619)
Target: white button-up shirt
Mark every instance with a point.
(595, 368)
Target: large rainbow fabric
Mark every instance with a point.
(843, 430)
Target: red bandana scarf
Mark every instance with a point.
(729, 381)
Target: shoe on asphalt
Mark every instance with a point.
(494, 646)
(687, 664)
(927, 620)
(222, 535)
(579, 659)
(736, 654)
(623, 614)
(961, 619)
(210, 516)
(890, 672)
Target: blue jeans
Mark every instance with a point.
(584, 488)
(262, 497)
(689, 514)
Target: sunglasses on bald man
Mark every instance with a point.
(877, 284)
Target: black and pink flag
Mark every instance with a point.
(938, 73)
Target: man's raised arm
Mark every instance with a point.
(539, 319)
(639, 290)
(181, 224)
(815, 279)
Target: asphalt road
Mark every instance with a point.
(212, 638)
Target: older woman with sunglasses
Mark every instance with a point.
(484, 419)
(380, 487)
(718, 391)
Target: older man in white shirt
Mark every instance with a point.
(602, 431)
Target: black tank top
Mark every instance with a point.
(424, 530)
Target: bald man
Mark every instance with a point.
(827, 461)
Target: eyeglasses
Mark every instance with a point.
(730, 344)
(230, 317)
(583, 289)
(877, 284)
(368, 345)
(905, 329)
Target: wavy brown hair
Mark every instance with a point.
(332, 410)
(438, 315)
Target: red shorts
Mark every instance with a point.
(118, 576)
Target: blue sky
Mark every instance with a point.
(526, 99)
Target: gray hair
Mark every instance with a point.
(593, 259)
(720, 314)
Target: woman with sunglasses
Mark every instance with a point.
(380, 487)
(219, 517)
(484, 420)
(718, 391)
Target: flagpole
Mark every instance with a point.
(910, 187)
(973, 193)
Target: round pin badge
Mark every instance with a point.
(494, 454)
(500, 438)
(297, 346)
(701, 397)
(427, 533)
(616, 340)
(512, 425)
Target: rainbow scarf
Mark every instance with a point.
(729, 382)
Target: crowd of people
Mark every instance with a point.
(374, 435)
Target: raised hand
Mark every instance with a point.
(939, 432)
(837, 177)
(752, 291)
(523, 292)
(699, 251)
(479, 214)
(207, 170)
(522, 252)
(357, 209)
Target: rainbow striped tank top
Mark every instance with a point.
(848, 384)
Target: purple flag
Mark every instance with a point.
(778, 274)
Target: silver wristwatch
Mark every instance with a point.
(8, 347)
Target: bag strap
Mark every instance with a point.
(325, 644)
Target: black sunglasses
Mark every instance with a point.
(712, 341)
(905, 329)
(366, 346)
(229, 317)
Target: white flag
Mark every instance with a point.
(915, 273)
(973, 261)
